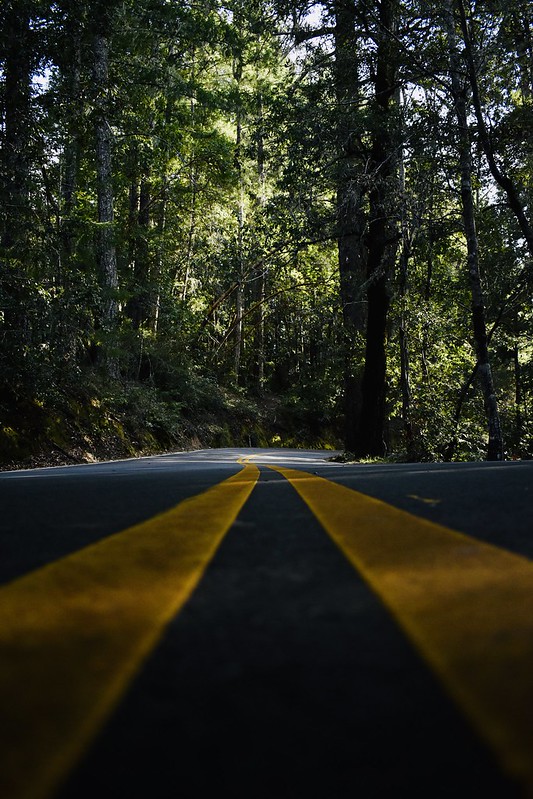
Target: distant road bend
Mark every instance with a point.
(266, 624)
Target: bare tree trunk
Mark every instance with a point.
(140, 304)
(519, 399)
(142, 307)
(69, 319)
(162, 214)
(15, 326)
(382, 236)
(405, 381)
(259, 342)
(351, 220)
(239, 312)
(260, 280)
(161, 229)
(71, 153)
(105, 245)
(133, 206)
(239, 292)
(193, 177)
(17, 115)
(191, 234)
(495, 443)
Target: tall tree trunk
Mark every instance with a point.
(15, 323)
(260, 280)
(405, 380)
(162, 216)
(139, 305)
(15, 175)
(17, 115)
(69, 318)
(191, 233)
(193, 187)
(239, 292)
(518, 399)
(69, 177)
(105, 244)
(259, 328)
(495, 444)
(159, 264)
(382, 236)
(350, 212)
(132, 169)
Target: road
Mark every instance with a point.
(266, 624)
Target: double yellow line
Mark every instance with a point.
(74, 634)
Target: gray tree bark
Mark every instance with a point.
(15, 175)
(105, 244)
(260, 280)
(350, 212)
(405, 379)
(382, 236)
(458, 90)
(239, 292)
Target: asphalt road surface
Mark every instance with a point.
(266, 624)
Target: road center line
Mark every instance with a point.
(74, 633)
(466, 605)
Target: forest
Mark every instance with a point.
(266, 223)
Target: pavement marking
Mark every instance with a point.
(466, 605)
(425, 500)
(74, 633)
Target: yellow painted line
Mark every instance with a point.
(466, 605)
(425, 500)
(74, 633)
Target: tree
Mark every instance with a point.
(18, 61)
(495, 444)
(106, 257)
(382, 236)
